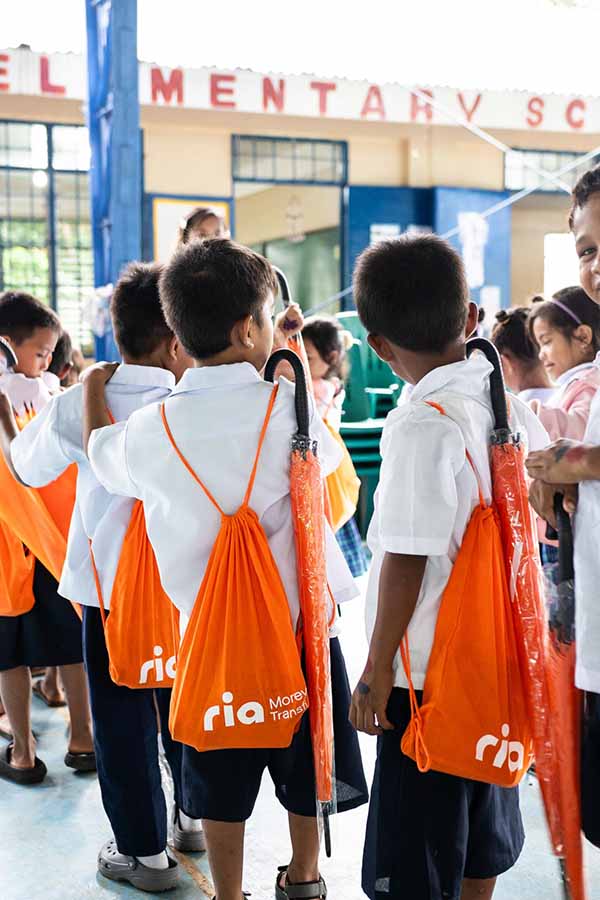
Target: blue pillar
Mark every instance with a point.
(114, 126)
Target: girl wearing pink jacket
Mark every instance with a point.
(566, 329)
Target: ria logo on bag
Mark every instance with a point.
(511, 753)
(286, 706)
(159, 667)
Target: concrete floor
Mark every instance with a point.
(50, 834)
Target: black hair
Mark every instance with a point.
(511, 336)
(412, 291)
(196, 217)
(136, 312)
(328, 337)
(587, 185)
(21, 314)
(62, 358)
(579, 305)
(208, 286)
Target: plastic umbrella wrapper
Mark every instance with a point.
(521, 551)
(566, 700)
(306, 493)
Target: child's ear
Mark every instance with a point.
(381, 347)
(583, 335)
(472, 319)
(242, 333)
(173, 347)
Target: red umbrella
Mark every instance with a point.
(548, 675)
(306, 491)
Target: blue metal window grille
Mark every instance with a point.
(517, 177)
(45, 233)
(289, 160)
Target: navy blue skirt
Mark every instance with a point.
(48, 635)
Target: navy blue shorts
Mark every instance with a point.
(426, 832)
(590, 769)
(223, 784)
(48, 635)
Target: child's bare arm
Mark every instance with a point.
(8, 431)
(95, 412)
(399, 587)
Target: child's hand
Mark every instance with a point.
(287, 324)
(541, 497)
(370, 700)
(100, 373)
(564, 462)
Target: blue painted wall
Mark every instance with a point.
(367, 206)
(449, 202)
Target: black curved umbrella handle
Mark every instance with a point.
(8, 353)
(497, 387)
(301, 396)
(284, 287)
(566, 567)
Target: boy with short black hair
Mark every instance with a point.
(428, 834)
(124, 719)
(218, 297)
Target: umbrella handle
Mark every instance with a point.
(7, 351)
(497, 388)
(284, 287)
(565, 540)
(301, 396)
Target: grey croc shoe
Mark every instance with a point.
(306, 890)
(187, 841)
(118, 867)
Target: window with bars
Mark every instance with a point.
(289, 160)
(517, 175)
(45, 230)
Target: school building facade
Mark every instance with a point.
(308, 170)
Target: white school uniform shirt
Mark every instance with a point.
(27, 395)
(215, 415)
(427, 490)
(587, 570)
(544, 395)
(52, 441)
(564, 381)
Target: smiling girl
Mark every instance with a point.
(566, 330)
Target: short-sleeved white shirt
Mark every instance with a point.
(52, 441)
(215, 415)
(28, 396)
(587, 570)
(427, 490)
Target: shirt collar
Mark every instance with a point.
(203, 377)
(464, 377)
(147, 376)
(575, 372)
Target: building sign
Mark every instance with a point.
(63, 75)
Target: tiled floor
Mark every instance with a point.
(50, 835)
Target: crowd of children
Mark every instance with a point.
(184, 448)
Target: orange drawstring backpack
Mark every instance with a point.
(473, 720)
(16, 574)
(239, 682)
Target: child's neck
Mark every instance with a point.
(229, 357)
(424, 363)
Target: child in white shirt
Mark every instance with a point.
(218, 298)
(429, 834)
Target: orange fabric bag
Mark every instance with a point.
(59, 499)
(239, 682)
(343, 485)
(16, 574)
(142, 630)
(473, 720)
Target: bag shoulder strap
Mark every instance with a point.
(252, 479)
(443, 412)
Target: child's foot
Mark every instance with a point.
(21, 774)
(188, 836)
(118, 867)
(53, 699)
(5, 729)
(301, 890)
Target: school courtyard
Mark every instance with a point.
(52, 833)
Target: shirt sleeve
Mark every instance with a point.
(417, 503)
(108, 457)
(329, 451)
(571, 421)
(44, 448)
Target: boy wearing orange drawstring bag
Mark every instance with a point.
(125, 720)
(211, 465)
(429, 834)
